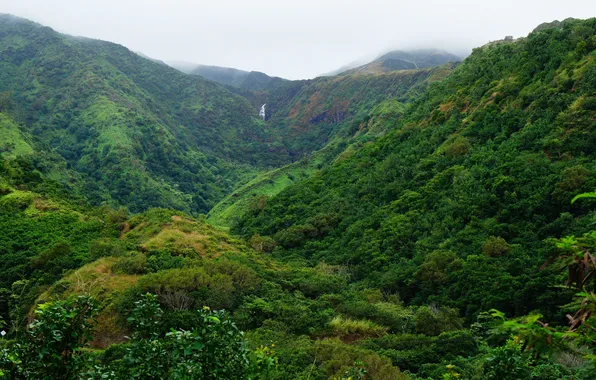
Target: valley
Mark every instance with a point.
(415, 217)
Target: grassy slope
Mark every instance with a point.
(13, 142)
(182, 259)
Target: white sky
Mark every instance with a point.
(293, 38)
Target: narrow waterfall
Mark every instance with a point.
(262, 112)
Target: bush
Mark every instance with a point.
(351, 329)
(459, 147)
(105, 247)
(433, 320)
(132, 263)
(53, 344)
(213, 349)
(507, 363)
(262, 243)
(495, 246)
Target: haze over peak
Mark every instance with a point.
(292, 39)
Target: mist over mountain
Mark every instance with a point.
(272, 38)
(247, 80)
(401, 60)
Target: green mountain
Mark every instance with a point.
(321, 119)
(138, 133)
(453, 205)
(412, 224)
(247, 80)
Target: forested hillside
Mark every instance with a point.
(421, 224)
(319, 120)
(454, 205)
(139, 133)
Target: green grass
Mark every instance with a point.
(107, 116)
(12, 140)
(266, 184)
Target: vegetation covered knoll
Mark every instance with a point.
(454, 204)
(331, 116)
(139, 133)
(188, 265)
(55, 248)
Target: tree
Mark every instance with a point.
(213, 349)
(52, 346)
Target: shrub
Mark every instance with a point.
(351, 329)
(262, 243)
(104, 248)
(431, 320)
(459, 147)
(337, 359)
(52, 346)
(133, 263)
(495, 246)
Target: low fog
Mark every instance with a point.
(293, 38)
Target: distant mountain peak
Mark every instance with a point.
(248, 80)
(404, 60)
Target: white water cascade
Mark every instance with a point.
(262, 112)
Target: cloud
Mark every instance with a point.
(293, 38)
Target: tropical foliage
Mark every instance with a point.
(443, 229)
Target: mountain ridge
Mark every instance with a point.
(122, 101)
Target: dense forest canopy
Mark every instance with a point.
(490, 156)
(431, 223)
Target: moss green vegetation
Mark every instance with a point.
(13, 140)
(454, 204)
(433, 224)
(365, 107)
(136, 133)
(497, 149)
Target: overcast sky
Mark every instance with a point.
(293, 38)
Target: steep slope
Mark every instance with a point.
(12, 140)
(329, 116)
(140, 133)
(44, 230)
(452, 206)
(308, 114)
